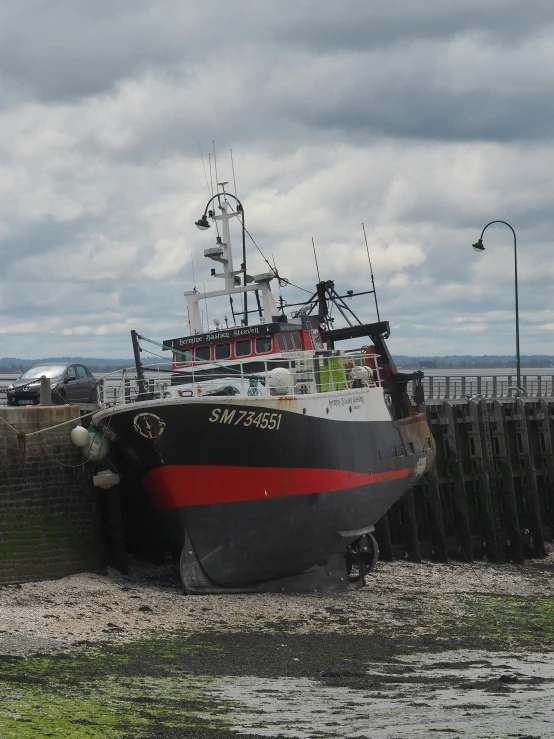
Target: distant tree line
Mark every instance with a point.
(15, 366)
(492, 361)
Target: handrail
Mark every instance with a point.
(436, 386)
(308, 373)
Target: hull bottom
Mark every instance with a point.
(341, 572)
(253, 542)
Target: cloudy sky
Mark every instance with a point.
(423, 119)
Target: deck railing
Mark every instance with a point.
(296, 374)
(464, 387)
(122, 386)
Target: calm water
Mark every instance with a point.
(469, 372)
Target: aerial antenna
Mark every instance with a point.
(211, 177)
(206, 301)
(193, 277)
(212, 182)
(233, 168)
(203, 164)
(215, 163)
(244, 275)
(371, 272)
(315, 257)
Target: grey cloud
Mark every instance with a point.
(362, 24)
(336, 114)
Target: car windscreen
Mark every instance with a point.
(48, 370)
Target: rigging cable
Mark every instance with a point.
(273, 269)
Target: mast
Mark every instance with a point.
(222, 253)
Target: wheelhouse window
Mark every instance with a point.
(263, 344)
(289, 342)
(243, 348)
(182, 358)
(202, 354)
(223, 351)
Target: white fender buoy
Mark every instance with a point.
(80, 437)
(105, 479)
(361, 374)
(279, 381)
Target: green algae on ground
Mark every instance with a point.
(110, 691)
(515, 618)
(107, 708)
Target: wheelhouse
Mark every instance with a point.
(249, 343)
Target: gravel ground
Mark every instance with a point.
(401, 597)
(391, 661)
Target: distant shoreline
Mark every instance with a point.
(470, 364)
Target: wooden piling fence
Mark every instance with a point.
(491, 491)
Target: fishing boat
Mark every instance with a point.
(268, 453)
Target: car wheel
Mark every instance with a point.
(62, 399)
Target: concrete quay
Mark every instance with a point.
(49, 516)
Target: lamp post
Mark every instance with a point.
(479, 246)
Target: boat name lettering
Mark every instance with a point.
(356, 401)
(216, 336)
(289, 327)
(244, 332)
(235, 417)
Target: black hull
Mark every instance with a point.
(259, 504)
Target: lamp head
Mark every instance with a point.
(203, 223)
(479, 246)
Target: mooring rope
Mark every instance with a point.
(9, 424)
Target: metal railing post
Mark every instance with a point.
(376, 363)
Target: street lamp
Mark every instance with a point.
(479, 246)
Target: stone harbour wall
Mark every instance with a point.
(49, 519)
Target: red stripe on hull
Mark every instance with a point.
(174, 486)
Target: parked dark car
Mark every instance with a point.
(70, 383)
